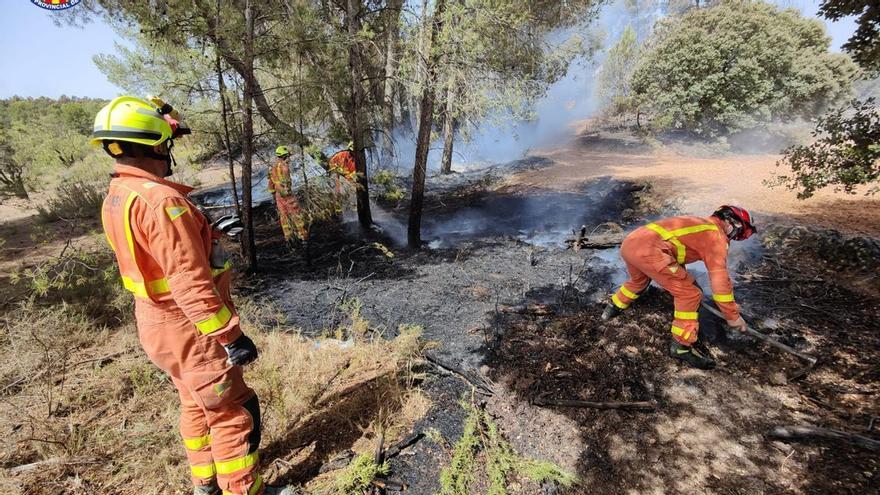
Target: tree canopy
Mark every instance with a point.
(737, 65)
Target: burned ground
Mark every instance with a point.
(520, 311)
(719, 418)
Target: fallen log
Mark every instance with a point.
(629, 406)
(808, 432)
(406, 443)
(597, 241)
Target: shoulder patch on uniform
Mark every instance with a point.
(150, 185)
(175, 211)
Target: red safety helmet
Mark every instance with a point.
(740, 219)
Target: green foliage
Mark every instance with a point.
(614, 85)
(864, 45)
(87, 280)
(736, 66)
(73, 200)
(846, 152)
(456, 478)
(390, 191)
(502, 461)
(357, 476)
(44, 141)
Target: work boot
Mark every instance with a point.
(212, 489)
(691, 356)
(610, 311)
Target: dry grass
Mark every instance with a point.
(86, 404)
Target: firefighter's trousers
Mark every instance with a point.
(291, 217)
(219, 413)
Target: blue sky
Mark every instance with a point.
(41, 59)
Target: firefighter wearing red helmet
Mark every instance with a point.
(660, 250)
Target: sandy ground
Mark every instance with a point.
(698, 185)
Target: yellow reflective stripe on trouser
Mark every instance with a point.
(237, 464)
(203, 471)
(144, 290)
(197, 443)
(686, 315)
(722, 297)
(216, 322)
(628, 293)
(617, 302)
(218, 271)
(681, 332)
(254, 489)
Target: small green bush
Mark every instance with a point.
(73, 200)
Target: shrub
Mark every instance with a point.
(86, 280)
(73, 200)
(736, 66)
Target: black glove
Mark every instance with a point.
(242, 351)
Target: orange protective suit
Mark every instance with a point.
(658, 251)
(290, 215)
(170, 259)
(342, 164)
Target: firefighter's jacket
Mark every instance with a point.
(167, 251)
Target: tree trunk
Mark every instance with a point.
(448, 126)
(357, 108)
(423, 142)
(248, 246)
(395, 7)
(227, 142)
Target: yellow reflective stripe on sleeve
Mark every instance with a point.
(694, 229)
(254, 489)
(617, 302)
(686, 315)
(144, 290)
(203, 471)
(197, 443)
(218, 271)
(216, 322)
(233, 465)
(628, 293)
(722, 297)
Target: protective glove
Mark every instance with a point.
(242, 351)
(738, 324)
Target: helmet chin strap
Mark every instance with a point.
(169, 158)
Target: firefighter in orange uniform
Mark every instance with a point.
(342, 165)
(290, 215)
(170, 259)
(660, 250)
